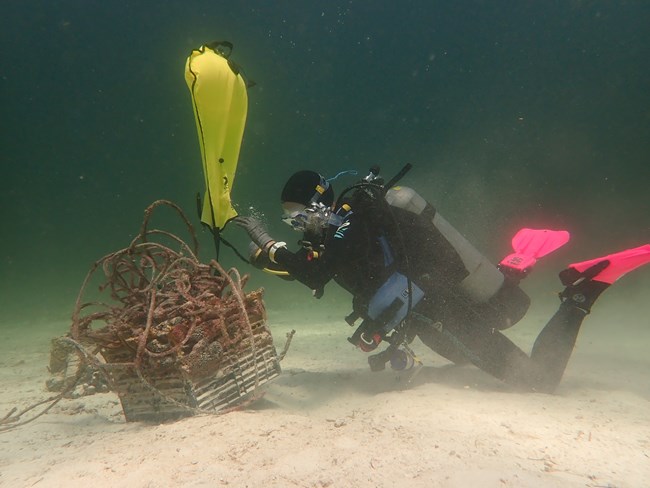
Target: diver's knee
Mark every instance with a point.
(511, 304)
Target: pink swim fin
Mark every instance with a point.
(530, 245)
(619, 264)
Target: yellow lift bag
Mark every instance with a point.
(220, 105)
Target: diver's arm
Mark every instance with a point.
(260, 259)
(300, 265)
(313, 273)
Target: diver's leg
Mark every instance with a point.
(554, 346)
(460, 335)
(486, 348)
(491, 351)
(463, 335)
(432, 337)
(584, 283)
(555, 343)
(507, 307)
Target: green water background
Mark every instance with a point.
(512, 113)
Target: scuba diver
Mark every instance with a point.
(410, 273)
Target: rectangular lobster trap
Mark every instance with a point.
(170, 335)
(165, 392)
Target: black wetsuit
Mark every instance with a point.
(446, 320)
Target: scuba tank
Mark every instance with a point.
(484, 280)
(471, 274)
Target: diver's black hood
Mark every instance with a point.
(301, 188)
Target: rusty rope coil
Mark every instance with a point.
(167, 307)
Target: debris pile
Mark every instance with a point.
(175, 337)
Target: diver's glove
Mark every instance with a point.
(582, 289)
(255, 230)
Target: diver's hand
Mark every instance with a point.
(255, 230)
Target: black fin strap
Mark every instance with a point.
(572, 277)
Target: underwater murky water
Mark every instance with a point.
(532, 114)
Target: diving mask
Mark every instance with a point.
(313, 218)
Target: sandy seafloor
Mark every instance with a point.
(329, 421)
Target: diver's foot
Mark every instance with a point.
(529, 245)
(585, 281)
(581, 291)
(618, 265)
